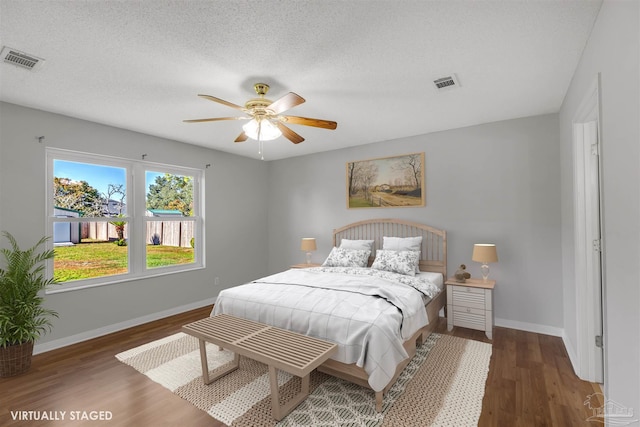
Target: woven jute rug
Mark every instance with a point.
(443, 385)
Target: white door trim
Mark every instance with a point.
(587, 230)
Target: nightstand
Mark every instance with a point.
(305, 265)
(470, 305)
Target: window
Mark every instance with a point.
(114, 220)
(169, 201)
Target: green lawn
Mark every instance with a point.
(159, 256)
(89, 260)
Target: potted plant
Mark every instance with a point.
(23, 319)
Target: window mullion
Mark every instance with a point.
(138, 202)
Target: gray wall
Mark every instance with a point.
(231, 221)
(612, 50)
(495, 183)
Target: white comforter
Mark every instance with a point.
(368, 313)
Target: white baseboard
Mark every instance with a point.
(530, 327)
(573, 357)
(95, 333)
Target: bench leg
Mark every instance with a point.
(379, 396)
(232, 366)
(279, 412)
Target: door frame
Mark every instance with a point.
(589, 285)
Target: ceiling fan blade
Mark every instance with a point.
(286, 102)
(289, 134)
(222, 101)
(215, 119)
(242, 137)
(319, 123)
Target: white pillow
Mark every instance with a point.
(403, 244)
(363, 245)
(402, 262)
(341, 257)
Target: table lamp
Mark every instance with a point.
(484, 253)
(308, 245)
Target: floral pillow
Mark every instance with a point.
(402, 262)
(341, 257)
(403, 244)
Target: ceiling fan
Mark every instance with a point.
(265, 119)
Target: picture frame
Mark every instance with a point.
(386, 182)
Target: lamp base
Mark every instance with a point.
(485, 272)
(308, 257)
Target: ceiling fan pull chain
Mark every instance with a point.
(260, 142)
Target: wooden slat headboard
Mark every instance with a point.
(433, 254)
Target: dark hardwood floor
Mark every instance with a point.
(530, 382)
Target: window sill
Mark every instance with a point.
(57, 289)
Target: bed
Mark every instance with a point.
(377, 311)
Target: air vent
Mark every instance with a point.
(446, 83)
(21, 59)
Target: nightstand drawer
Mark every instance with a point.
(468, 297)
(471, 319)
(462, 309)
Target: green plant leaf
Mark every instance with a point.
(22, 279)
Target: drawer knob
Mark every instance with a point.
(468, 289)
(468, 310)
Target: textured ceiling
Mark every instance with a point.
(368, 65)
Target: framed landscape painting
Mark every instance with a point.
(386, 182)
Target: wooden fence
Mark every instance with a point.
(167, 233)
(170, 233)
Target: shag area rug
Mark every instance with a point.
(443, 385)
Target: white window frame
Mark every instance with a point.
(135, 217)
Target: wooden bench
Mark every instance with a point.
(278, 348)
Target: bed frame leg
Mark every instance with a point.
(379, 401)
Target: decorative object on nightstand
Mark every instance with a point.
(308, 245)
(470, 305)
(461, 274)
(485, 253)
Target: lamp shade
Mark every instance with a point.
(308, 244)
(262, 130)
(484, 253)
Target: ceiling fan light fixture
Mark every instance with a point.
(261, 130)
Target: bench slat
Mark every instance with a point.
(279, 353)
